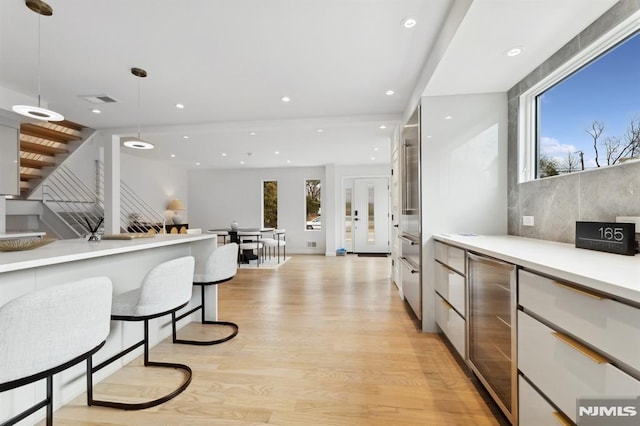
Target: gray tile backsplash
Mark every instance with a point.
(558, 202)
(554, 204)
(610, 192)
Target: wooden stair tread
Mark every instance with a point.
(41, 149)
(45, 133)
(29, 176)
(35, 163)
(71, 125)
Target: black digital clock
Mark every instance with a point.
(612, 237)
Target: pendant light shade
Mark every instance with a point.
(137, 143)
(37, 112)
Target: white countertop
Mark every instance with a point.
(614, 274)
(78, 249)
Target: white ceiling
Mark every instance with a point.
(230, 61)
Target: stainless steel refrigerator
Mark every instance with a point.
(410, 229)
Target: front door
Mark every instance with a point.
(371, 215)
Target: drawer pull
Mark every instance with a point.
(446, 304)
(562, 419)
(580, 291)
(591, 354)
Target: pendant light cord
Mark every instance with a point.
(139, 108)
(39, 60)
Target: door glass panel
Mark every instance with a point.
(371, 228)
(348, 231)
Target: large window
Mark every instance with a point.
(270, 204)
(591, 118)
(312, 195)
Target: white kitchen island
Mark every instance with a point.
(125, 262)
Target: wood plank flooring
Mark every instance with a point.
(323, 341)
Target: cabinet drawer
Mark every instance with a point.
(534, 410)
(565, 373)
(411, 286)
(452, 325)
(450, 256)
(451, 287)
(608, 325)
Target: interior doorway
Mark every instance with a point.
(367, 215)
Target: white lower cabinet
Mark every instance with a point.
(611, 326)
(565, 369)
(534, 410)
(451, 286)
(452, 325)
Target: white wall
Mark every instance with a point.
(464, 175)
(218, 197)
(156, 182)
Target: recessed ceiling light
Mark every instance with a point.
(185, 137)
(96, 111)
(197, 164)
(409, 22)
(448, 117)
(514, 51)
(277, 152)
(390, 92)
(224, 154)
(179, 106)
(383, 127)
(288, 161)
(252, 133)
(429, 136)
(373, 158)
(138, 144)
(376, 148)
(320, 130)
(242, 162)
(285, 99)
(173, 156)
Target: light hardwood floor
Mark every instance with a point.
(323, 341)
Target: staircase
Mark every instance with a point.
(59, 201)
(43, 146)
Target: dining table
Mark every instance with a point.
(246, 255)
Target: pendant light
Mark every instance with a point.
(39, 113)
(137, 143)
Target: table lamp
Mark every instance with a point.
(176, 206)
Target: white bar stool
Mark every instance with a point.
(165, 289)
(221, 267)
(47, 331)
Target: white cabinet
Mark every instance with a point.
(534, 410)
(611, 326)
(574, 342)
(452, 325)
(565, 369)
(451, 290)
(9, 161)
(451, 286)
